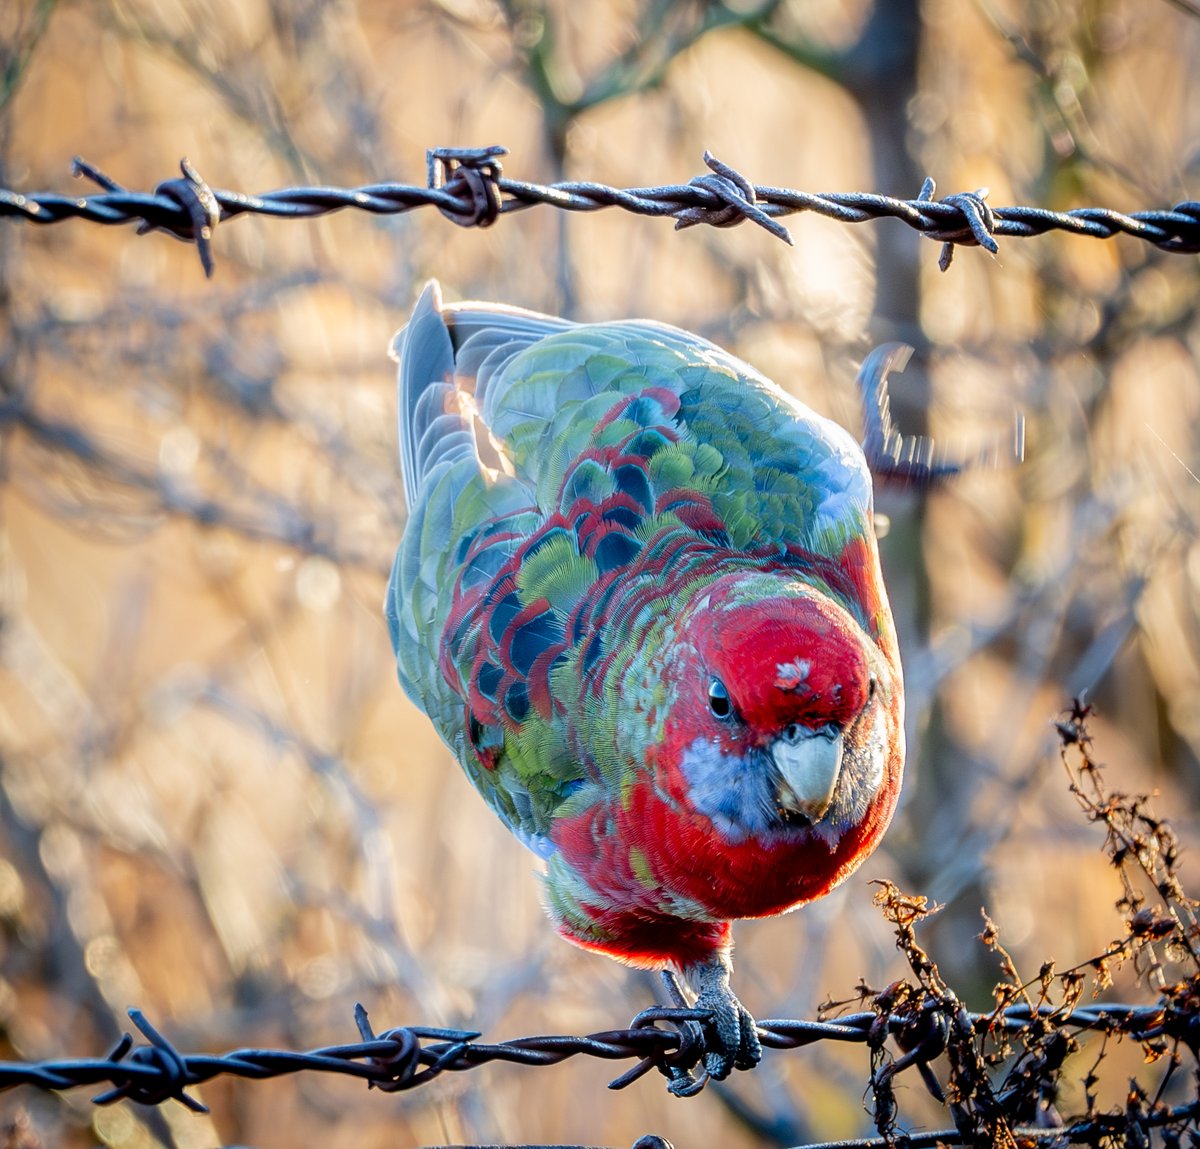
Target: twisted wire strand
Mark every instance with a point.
(406, 1057)
(467, 185)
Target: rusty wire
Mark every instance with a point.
(406, 1057)
(467, 186)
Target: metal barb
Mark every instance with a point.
(203, 210)
(160, 1055)
(739, 198)
(467, 185)
(472, 177)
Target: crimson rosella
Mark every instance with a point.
(639, 596)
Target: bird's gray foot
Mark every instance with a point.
(730, 1036)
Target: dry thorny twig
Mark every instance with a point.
(1002, 1082)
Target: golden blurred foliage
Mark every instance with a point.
(215, 802)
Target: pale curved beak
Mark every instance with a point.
(809, 762)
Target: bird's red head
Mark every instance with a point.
(793, 657)
(778, 722)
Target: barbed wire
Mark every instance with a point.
(467, 186)
(406, 1057)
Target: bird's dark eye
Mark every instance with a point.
(872, 686)
(718, 699)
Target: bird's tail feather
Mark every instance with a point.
(433, 426)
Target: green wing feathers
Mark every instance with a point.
(605, 443)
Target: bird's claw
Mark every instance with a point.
(728, 1036)
(683, 1082)
(731, 1037)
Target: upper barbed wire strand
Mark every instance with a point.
(468, 186)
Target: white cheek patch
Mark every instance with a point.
(732, 790)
